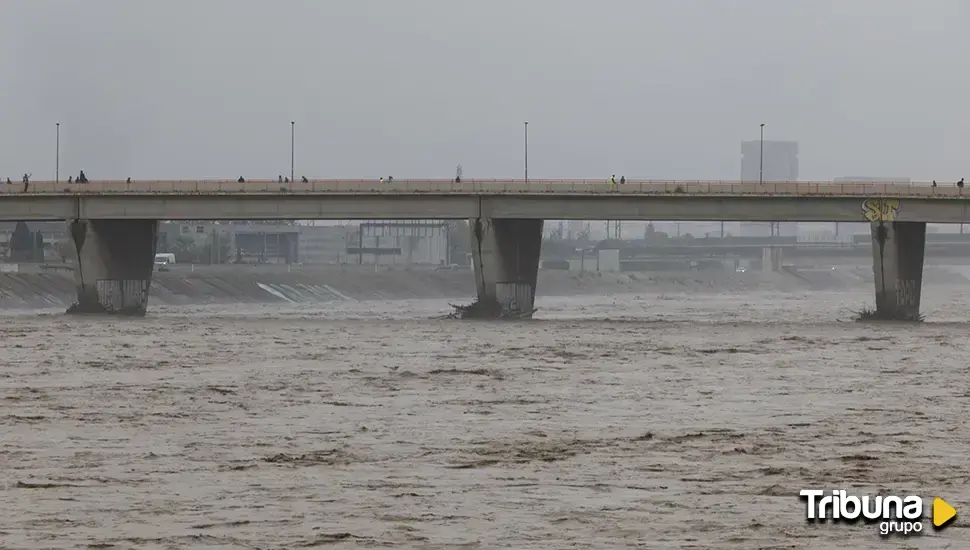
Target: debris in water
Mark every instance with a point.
(489, 309)
(867, 314)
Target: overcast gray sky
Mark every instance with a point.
(645, 88)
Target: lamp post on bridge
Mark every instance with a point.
(761, 172)
(57, 153)
(761, 158)
(292, 147)
(527, 152)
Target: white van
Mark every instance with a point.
(164, 258)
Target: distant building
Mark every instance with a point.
(207, 242)
(780, 164)
(401, 242)
(575, 228)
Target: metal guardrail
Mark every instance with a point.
(488, 187)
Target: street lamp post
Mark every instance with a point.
(527, 152)
(57, 153)
(761, 171)
(292, 147)
(761, 157)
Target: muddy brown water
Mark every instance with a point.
(652, 421)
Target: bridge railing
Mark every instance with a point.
(495, 186)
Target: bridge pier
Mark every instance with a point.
(771, 259)
(115, 259)
(505, 258)
(897, 264)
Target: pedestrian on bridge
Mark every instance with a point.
(960, 183)
(382, 179)
(241, 180)
(304, 180)
(622, 180)
(280, 178)
(81, 178)
(26, 181)
(613, 182)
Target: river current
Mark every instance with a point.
(635, 421)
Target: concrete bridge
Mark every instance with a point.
(518, 199)
(114, 223)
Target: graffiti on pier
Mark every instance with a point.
(119, 295)
(880, 210)
(907, 293)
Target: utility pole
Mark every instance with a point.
(292, 147)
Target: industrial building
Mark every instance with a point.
(425, 242)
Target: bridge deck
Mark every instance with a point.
(493, 187)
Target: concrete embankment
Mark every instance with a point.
(235, 284)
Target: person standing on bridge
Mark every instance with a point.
(960, 183)
(613, 182)
(81, 178)
(26, 181)
(280, 178)
(241, 180)
(622, 180)
(304, 180)
(382, 179)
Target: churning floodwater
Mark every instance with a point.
(652, 421)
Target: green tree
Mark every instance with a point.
(21, 243)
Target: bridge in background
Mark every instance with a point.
(114, 224)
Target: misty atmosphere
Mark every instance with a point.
(656, 381)
(664, 89)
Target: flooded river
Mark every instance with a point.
(654, 421)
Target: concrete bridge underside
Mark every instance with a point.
(525, 206)
(115, 259)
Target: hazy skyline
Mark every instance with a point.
(647, 88)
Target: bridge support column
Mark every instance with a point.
(505, 256)
(897, 265)
(771, 259)
(115, 259)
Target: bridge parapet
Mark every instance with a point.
(489, 187)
